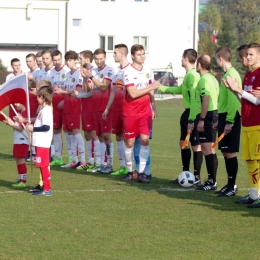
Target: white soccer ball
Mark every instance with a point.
(186, 179)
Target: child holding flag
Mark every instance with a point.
(42, 136)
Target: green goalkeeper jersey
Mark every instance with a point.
(227, 101)
(187, 88)
(207, 86)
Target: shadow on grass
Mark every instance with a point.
(8, 184)
(161, 186)
(8, 157)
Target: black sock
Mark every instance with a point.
(225, 158)
(185, 157)
(215, 166)
(232, 165)
(197, 162)
(210, 167)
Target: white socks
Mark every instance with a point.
(143, 155)
(121, 152)
(129, 159)
(89, 151)
(57, 140)
(80, 145)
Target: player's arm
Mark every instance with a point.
(102, 85)
(233, 85)
(171, 89)
(153, 105)
(81, 94)
(204, 106)
(31, 78)
(135, 93)
(10, 122)
(193, 109)
(110, 102)
(232, 104)
(59, 90)
(111, 97)
(251, 98)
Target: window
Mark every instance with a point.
(107, 43)
(27, 47)
(76, 23)
(143, 40)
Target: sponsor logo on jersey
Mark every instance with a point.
(109, 74)
(141, 85)
(248, 88)
(39, 116)
(128, 133)
(80, 80)
(253, 79)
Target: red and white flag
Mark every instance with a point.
(215, 37)
(15, 91)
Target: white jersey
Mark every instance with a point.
(100, 97)
(34, 73)
(10, 76)
(45, 117)
(42, 74)
(19, 138)
(58, 77)
(73, 80)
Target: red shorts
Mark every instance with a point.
(87, 121)
(135, 125)
(42, 156)
(102, 126)
(57, 118)
(71, 121)
(117, 122)
(20, 150)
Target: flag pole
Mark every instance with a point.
(29, 116)
(22, 123)
(24, 132)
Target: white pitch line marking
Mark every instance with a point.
(166, 189)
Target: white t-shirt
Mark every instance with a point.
(45, 117)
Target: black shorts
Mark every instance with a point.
(209, 134)
(230, 143)
(194, 137)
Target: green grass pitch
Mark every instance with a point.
(92, 216)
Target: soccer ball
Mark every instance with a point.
(186, 179)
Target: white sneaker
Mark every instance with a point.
(107, 169)
(68, 165)
(101, 168)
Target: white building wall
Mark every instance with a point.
(46, 25)
(168, 24)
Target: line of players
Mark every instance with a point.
(95, 97)
(211, 107)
